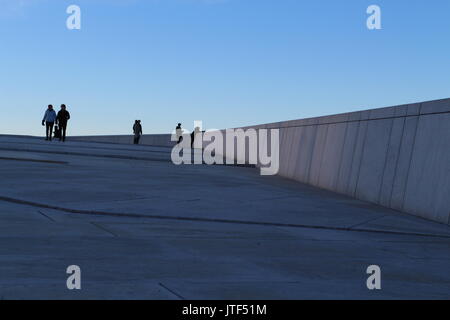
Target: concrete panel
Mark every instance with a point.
(312, 121)
(282, 124)
(294, 151)
(301, 122)
(414, 109)
(357, 156)
(343, 117)
(323, 120)
(316, 162)
(373, 160)
(437, 106)
(354, 116)
(382, 113)
(305, 153)
(391, 161)
(332, 156)
(347, 157)
(365, 115)
(284, 151)
(428, 186)
(401, 111)
(403, 163)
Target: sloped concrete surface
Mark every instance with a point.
(142, 228)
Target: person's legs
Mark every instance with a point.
(63, 128)
(50, 130)
(46, 130)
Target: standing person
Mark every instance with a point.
(48, 121)
(137, 130)
(179, 133)
(61, 119)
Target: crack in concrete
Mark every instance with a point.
(112, 156)
(367, 221)
(33, 160)
(46, 216)
(171, 291)
(89, 148)
(104, 229)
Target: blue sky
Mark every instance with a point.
(225, 62)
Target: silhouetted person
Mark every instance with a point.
(137, 130)
(179, 133)
(193, 135)
(61, 119)
(48, 121)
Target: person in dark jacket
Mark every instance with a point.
(61, 119)
(137, 130)
(48, 121)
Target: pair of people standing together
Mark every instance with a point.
(61, 119)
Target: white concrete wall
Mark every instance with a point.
(397, 157)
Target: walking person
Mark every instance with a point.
(137, 130)
(61, 120)
(49, 121)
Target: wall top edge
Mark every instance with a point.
(404, 110)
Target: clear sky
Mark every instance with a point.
(225, 62)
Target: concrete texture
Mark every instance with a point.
(141, 228)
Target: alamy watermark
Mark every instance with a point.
(374, 280)
(73, 22)
(374, 20)
(259, 147)
(74, 280)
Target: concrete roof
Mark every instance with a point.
(140, 227)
